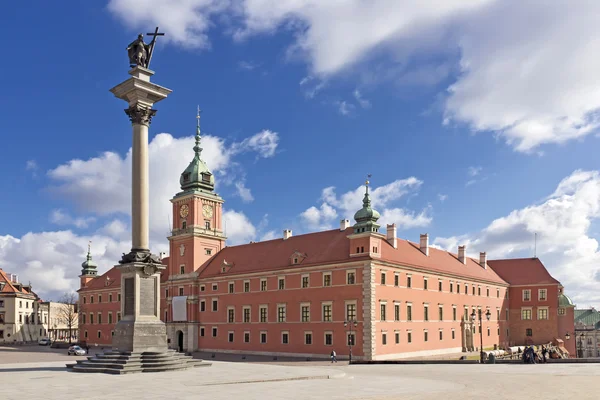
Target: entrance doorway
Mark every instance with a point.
(180, 341)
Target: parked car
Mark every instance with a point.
(76, 351)
(44, 342)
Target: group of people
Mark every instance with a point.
(530, 356)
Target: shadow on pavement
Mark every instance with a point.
(29, 369)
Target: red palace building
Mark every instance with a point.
(352, 289)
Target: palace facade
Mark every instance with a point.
(352, 289)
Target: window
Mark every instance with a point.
(183, 224)
(214, 331)
(99, 299)
(382, 312)
(425, 336)
(426, 313)
(246, 286)
(478, 290)
(305, 281)
(208, 252)
(409, 281)
(119, 297)
(351, 312)
(230, 315)
(281, 314)
(246, 337)
(202, 288)
(542, 294)
(215, 305)
(2, 302)
(85, 334)
(488, 331)
(561, 311)
(230, 337)
(82, 319)
(466, 289)
(215, 287)
(528, 332)
(202, 305)
(182, 269)
(350, 278)
(263, 313)
(542, 313)
(498, 293)
(231, 287)
(526, 313)
(202, 331)
(453, 334)
(285, 337)
(305, 311)
(110, 297)
(207, 224)
(91, 301)
(454, 313)
(441, 335)
(451, 287)
(307, 338)
(263, 337)
(166, 292)
(409, 337)
(281, 283)
(99, 334)
(441, 313)
(396, 312)
(263, 285)
(327, 312)
(409, 312)
(397, 337)
(327, 279)
(166, 316)
(440, 286)
(118, 316)
(99, 318)
(110, 321)
(181, 291)
(526, 295)
(458, 288)
(246, 314)
(383, 278)
(473, 291)
(396, 280)
(328, 339)
(425, 283)
(506, 314)
(384, 339)
(487, 292)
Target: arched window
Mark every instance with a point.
(207, 224)
(183, 224)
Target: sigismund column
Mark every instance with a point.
(140, 329)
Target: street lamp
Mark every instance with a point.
(581, 345)
(350, 324)
(473, 318)
(568, 336)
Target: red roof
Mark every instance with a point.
(334, 246)
(114, 278)
(319, 248)
(11, 287)
(523, 271)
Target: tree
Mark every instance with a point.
(67, 312)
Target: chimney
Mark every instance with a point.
(344, 224)
(462, 256)
(424, 245)
(287, 233)
(483, 260)
(391, 235)
(14, 278)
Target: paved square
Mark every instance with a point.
(249, 380)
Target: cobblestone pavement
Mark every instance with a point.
(251, 380)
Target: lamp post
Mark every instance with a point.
(350, 325)
(473, 318)
(580, 350)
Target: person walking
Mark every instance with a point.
(333, 356)
(545, 354)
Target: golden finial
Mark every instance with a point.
(198, 117)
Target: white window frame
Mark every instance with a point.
(306, 304)
(545, 291)
(307, 276)
(530, 311)
(249, 287)
(249, 308)
(523, 294)
(279, 305)
(266, 337)
(231, 308)
(348, 272)
(249, 337)
(312, 338)
(325, 338)
(228, 336)
(323, 304)
(537, 314)
(330, 279)
(288, 337)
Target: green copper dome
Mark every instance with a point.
(197, 175)
(564, 300)
(89, 267)
(366, 218)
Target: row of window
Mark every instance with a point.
(98, 334)
(542, 294)
(285, 337)
(110, 298)
(409, 312)
(542, 313)
(409, 284)
(89, 318)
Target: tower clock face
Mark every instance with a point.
(207, 211)
(184, 210)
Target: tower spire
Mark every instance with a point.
(197, 148)
(366, 218)
(89, 267)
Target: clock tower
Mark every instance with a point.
(197, 233)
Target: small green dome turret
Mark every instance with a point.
(197, 176)
(89, 267)
(564, 300)
(366, 218)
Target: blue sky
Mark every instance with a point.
(467, 128)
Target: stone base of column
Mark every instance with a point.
(140, 256)
(140, 337)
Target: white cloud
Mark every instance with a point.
(31, 165)
(382, 199)
(474, 171)
(312, 88)
(244, 193)
(60, 217)
(270, 235)
(442, 197)
(532, 84)
(239, 228)
(564, 242)
(247, 65)
(264, 143)
(364, 103)
(344, 107)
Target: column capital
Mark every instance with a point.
(139, 114)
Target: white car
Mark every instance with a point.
(44, 342)
(76, 351)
